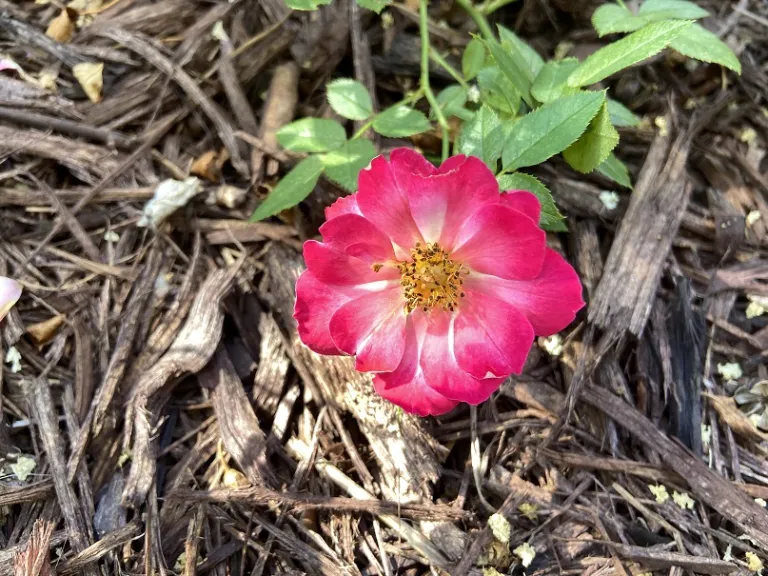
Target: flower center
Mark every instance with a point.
(431, 279)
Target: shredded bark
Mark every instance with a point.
(164, 416)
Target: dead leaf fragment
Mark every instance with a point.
(500, 528)
(13, 357)
(62, 28)
(230, 196)
(87, 7)
(754, 563)
(169, 196)
(728, 410)
(683, 500)
(44, 331)
(209, 164)
(47, 79)
(660, 492)
(23, 467)
(90, 76)
(526, 553)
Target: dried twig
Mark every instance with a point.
(35, 559)
(196, 95)
(189, 353)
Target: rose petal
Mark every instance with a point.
(452, 163)
(383, 200)
(10, 292)
(415, 396)
(503, 242)
(344, 205)
(549, 301)
(372, 327)
(406, 386)
(491, 337)
(441, 370)
(334, 267)
(524, 202)
(358, 237)
(316, 303)
(408, 161)
(441, 204)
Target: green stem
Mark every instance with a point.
(441, 61)
(621, 3)
(491, 6)
(478, 17)
(424, 30)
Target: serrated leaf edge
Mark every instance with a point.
(579, 136)
(682, 23)
(557, 217)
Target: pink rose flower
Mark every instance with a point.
(10, 292)
(434, 281)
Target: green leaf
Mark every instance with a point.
(594, 146)
(612, 18)
(482, 137)
(621, 115)
(513, 68)
(522, 52)
(473, 58)
(312, 135)
(400, 121)
(375, 5)
(292, 189)
(659, 10)
(550, 129)
(630, 50)
(344, 164)
(551, 83)
(452, 100)
(497, 91)
(306, 4)
(614, 169)
(699, 43)
(350, 99)
(550, 219)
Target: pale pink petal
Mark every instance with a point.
(356, 236)
(503, 242)
(441, 204)
(316, 303)
(344, 205)
(334, 267)
(407, 386)
(372, 327)
(549, 301)
(383, 200)
(409, 364)
(384, 348)
(524, 202)
(441, 370)
(491, 337)
(10, 292)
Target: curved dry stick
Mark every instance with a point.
(189, 353)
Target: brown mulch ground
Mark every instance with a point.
(174, 422)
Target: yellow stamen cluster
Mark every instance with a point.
(431, 279)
